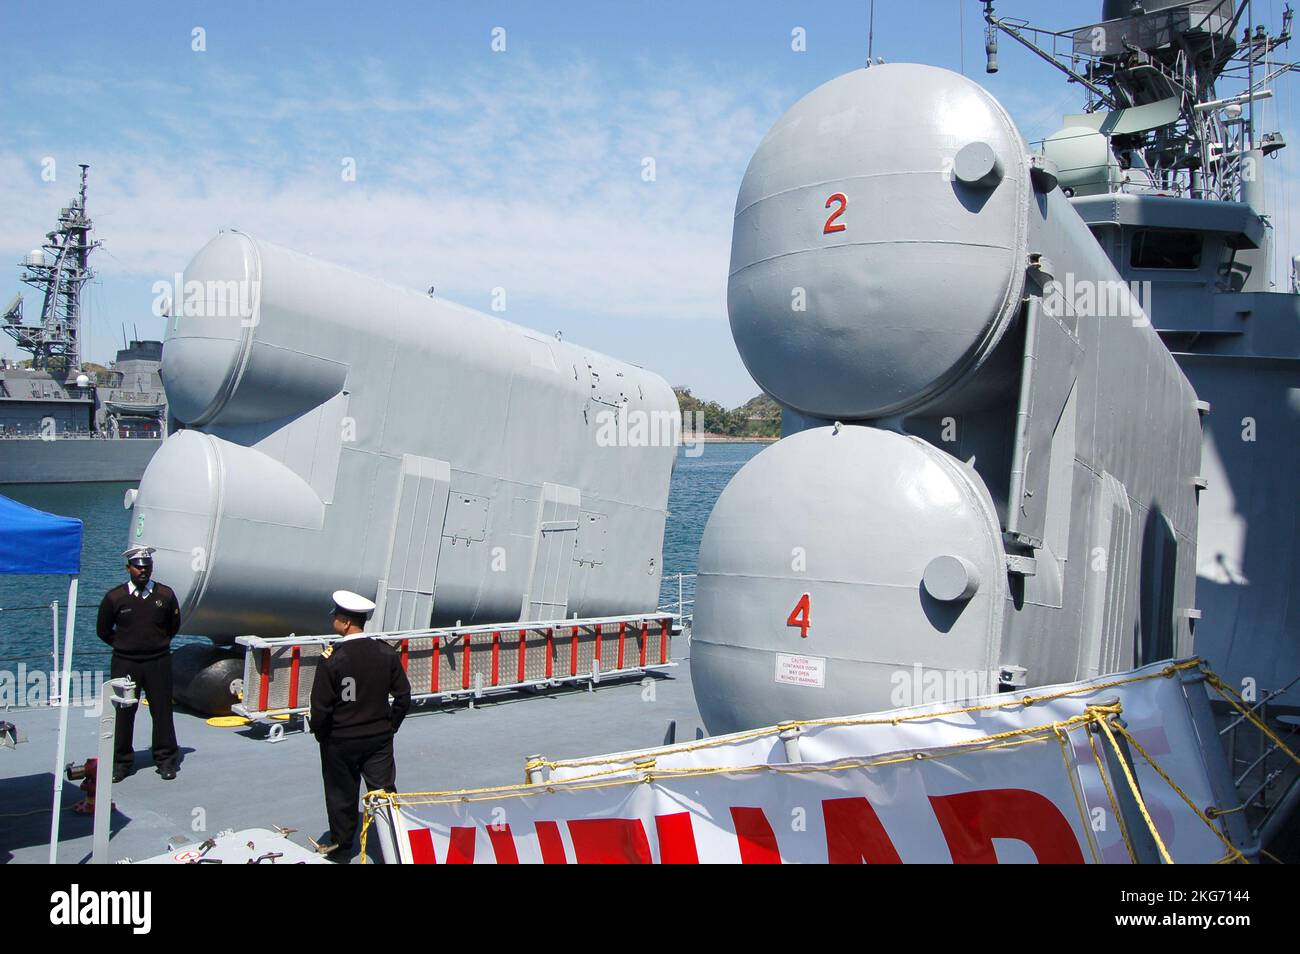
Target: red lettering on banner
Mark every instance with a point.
(548, 840)
(421, 840)
(755, 837)
(676, 839)
(460, 847)
(854, 834)
(503, 844)
(971, 820)
(609, 841)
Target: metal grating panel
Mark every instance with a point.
(419, 664)
(449, 664)
(480, 660)
(509, 656)
(586, 650)
(609, 647)
(535, 664)
(278, 696)
(307, 664)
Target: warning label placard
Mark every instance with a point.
(795, 670)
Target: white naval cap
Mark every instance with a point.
(353, 604)
(139, 554)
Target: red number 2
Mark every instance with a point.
(830, 222)
(801, 615)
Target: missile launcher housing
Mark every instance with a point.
(344, 433)
(989, 464)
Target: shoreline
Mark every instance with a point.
(727, 439)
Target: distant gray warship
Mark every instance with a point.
(58, 422)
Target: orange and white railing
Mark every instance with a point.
(467, 661)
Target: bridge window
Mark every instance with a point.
(1166, 248)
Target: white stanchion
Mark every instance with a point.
(65, 682)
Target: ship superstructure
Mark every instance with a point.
(1168, 165)
(1040, 400)
(59, 420)
(984, 477)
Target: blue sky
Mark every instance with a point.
(475, 169)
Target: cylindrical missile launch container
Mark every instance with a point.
(346, 433)
(855, 242)
(989, 473)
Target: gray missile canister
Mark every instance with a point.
(980, 473)
(344, 433)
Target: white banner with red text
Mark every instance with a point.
(1000, 778)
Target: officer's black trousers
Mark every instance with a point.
(153, 677)
(344, 762)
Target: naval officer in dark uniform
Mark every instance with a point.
(138, 619)
(352, 719)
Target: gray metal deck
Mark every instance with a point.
(232, 778)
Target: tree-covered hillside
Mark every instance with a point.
(758, 417)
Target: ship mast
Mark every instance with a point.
(58, 270)
(1155, 67)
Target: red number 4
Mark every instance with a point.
(831, 225)
(801, 615)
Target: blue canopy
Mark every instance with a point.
(33, 541)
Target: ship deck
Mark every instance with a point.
(233, 778)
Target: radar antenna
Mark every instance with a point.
(58, 270)
(1154, 71)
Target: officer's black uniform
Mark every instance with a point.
(140, 630)
(354, 724)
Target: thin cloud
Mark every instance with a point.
(530, 179)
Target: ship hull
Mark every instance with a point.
(72, 460)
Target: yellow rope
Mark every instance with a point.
(373, 800)
(1240, 704)
(524, 791)
(1093, 715)
(373, 795)
(1024, 701)
(365, 830)
(1110, 794)
(1132, 782)
(513, 791)
(1072, 774)
(1100, 716)
(1232, 850)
